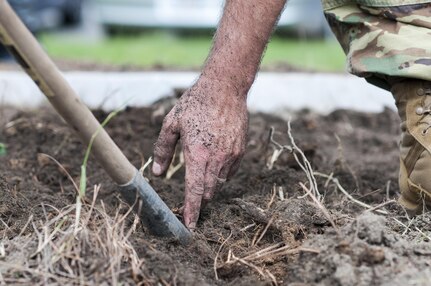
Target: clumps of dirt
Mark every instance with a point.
(11, 207)
(260, 229)
(366, 253)
(291, 218)
(416, 229)
(81, 244)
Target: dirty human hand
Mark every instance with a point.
(212, 124)
(211, 117)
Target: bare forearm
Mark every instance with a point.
(208, 118)
(240, 41)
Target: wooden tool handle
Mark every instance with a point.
(36, 63)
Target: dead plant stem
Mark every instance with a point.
(349, 196)
(321, 207)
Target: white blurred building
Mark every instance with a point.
(303, 15)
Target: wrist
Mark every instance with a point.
(218, 91)
(236, 83)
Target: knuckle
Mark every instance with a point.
(197, 191)
(160, 144)
(162, 152)
(221, 158)
(158, 150)
(211, 182)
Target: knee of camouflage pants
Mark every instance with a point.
(413, 99)
(392, 39)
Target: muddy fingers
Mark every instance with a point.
(164, 148)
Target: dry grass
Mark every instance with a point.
(254, 256)
(174, 167)
(299, 156)
(247, 248)
(416, 228)
(305, 165)
(56, 251)
(95, 249)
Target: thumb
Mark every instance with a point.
(165, 147)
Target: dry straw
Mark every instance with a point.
(57, 251)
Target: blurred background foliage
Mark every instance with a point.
(171, 34)
(151, 50)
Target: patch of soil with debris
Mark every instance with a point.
(262, 228)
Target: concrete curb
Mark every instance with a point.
(271, 93)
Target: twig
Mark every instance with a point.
(328, 180)
(142, 169)
(349, 196)
(25, 226)
(302, 161)
(218, 253)
(2, 251)
(273, 279)
(174, 168)
(281, 193)
(381, 205)
(251, 265)
(271, 252)
(305, 165)
(278, 150)
(402, 224)
(63, 169)
(90, 212)
(264, 231)
(292, 251)
(247, 227)
(269, 248)
(271, 201)
(407, 227)
(60, 251)
(424, 234)
(256, 235)
(49, 237)
(5, 224)
(321, 207)
(388, 187)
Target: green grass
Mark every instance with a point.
(317, 55)
(148, 50)
(2, 149)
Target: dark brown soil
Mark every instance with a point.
(358, 149)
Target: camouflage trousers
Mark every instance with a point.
(382, 42)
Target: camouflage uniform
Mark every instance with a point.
(389, 43)
(383, 37)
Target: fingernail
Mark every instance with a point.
(192, 226)
(156, 168)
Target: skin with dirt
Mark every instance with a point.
(214, 138)
(211, 118)
(260, 228)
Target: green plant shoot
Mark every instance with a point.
(2, 149)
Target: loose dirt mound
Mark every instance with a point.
(365, 253)
(260, 229)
